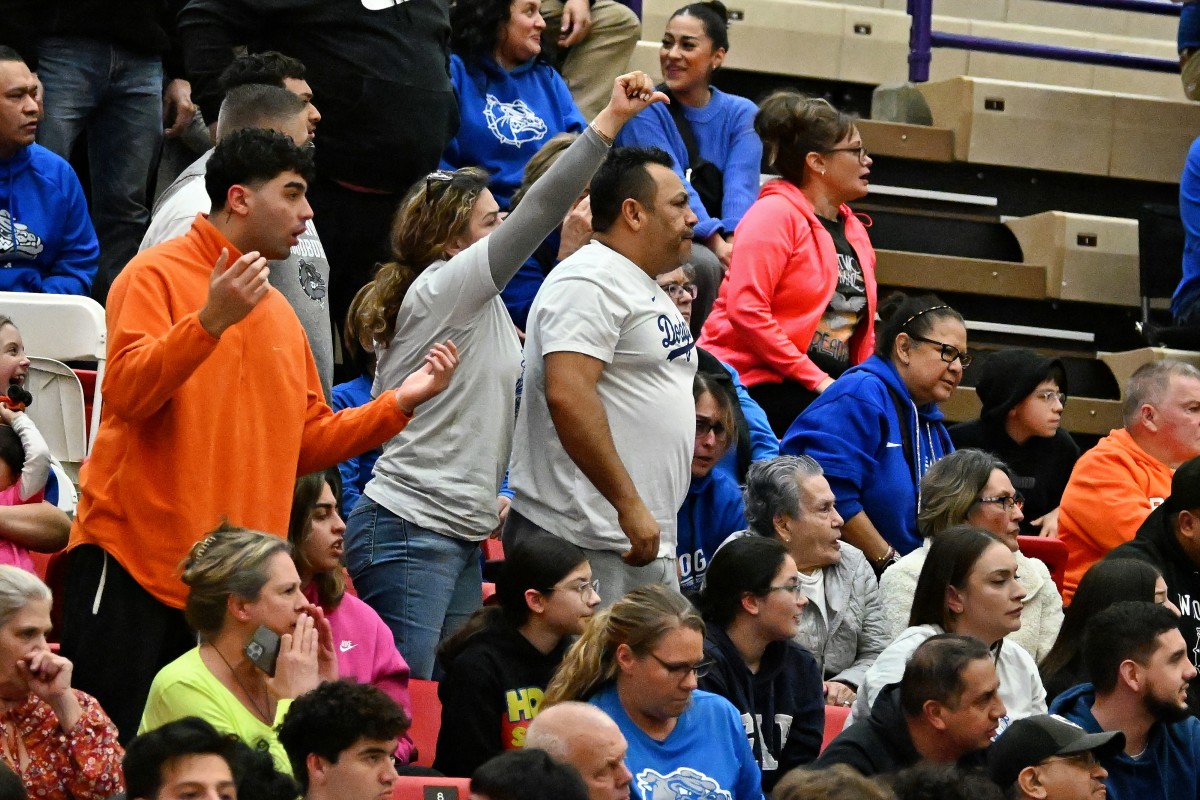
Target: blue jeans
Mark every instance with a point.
(116, 96)
(422, 584)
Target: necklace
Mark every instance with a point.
(259, 711)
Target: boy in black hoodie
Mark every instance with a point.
(1023, 395)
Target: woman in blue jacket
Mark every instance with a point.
(510, 101)
(877, 428)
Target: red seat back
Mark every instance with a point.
(427, 719)
(835, 720)
(1050, 552)
(427, 787)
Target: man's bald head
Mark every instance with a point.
(585, 737)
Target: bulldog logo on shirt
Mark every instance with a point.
(513, 123)
(311, 280)
(16, 240)
(683, 783)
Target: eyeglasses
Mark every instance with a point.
(678, 290)
(794, 587)
(949, 351)
(436, 178)
(680, 671)
(704, 428)
(1007, 501)
(860, 151)
(1049, 396)
(581, 587)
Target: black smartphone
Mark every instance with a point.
(263, 649)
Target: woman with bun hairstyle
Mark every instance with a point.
(878, 429)
(723, 182)
(497, 666)
(798, 306)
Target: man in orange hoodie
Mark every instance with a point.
(1116, 484)
(212, 407)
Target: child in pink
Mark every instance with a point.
(24, 468)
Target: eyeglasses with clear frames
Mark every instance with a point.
(793, 586)
(582, 587)
(1007, 501)
(680, 671)
(860, 151)
(1049, 396)
(1086, 761)
(949, 351)
(678, 290)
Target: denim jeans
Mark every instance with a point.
(422, 584)
(116, 96)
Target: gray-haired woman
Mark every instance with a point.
(842, 625)
(57, 739)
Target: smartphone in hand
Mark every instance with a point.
(263, 649)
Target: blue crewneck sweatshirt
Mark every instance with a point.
(854, 431)
(47, 242)
(505, 117)
(712, 510)
(725, 137)
(1169, 768)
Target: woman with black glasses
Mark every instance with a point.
(878, 429)
(797, 308)
(639, 661)
(752, 601)
(973, 487)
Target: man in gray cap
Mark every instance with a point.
(1045, 757)
(1169, 540)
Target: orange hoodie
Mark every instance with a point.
(1112, 490)
(197, 430)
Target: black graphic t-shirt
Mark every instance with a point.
(830, 345)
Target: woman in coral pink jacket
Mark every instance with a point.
(797, 307)
(366, 651)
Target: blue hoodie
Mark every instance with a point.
(47, 242)
(506, 117)
(853, 430)
(711, 511)
(1168, 769)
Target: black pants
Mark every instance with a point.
(354, 228)
(782, 402)
(117, 635)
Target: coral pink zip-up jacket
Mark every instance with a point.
(783, 274)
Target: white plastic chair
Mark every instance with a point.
(58, 411)
(63, 328)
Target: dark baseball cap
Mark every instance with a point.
(1030, 741)
(1185, 487)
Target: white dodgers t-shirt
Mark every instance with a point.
(599, 303)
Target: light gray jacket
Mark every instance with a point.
(857, 631)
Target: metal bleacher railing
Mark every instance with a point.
(922, 40)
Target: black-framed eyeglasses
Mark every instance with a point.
(794, 587)
(436, 178)
(949, 351)
(680, 671)
(678, 290)
(860, 151)
(704, 428)
(582, 587)
(1049, 396)
(1006, 501)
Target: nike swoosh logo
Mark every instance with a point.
(380, 5)
(894, 444)
(347, 646)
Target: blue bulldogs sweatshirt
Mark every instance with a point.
(506, 117)
(47, 242)
(857, 429)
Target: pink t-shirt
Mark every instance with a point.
(11, 552)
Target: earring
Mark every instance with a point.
(822, 172)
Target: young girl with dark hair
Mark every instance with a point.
(752, 600)
(497, 667)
